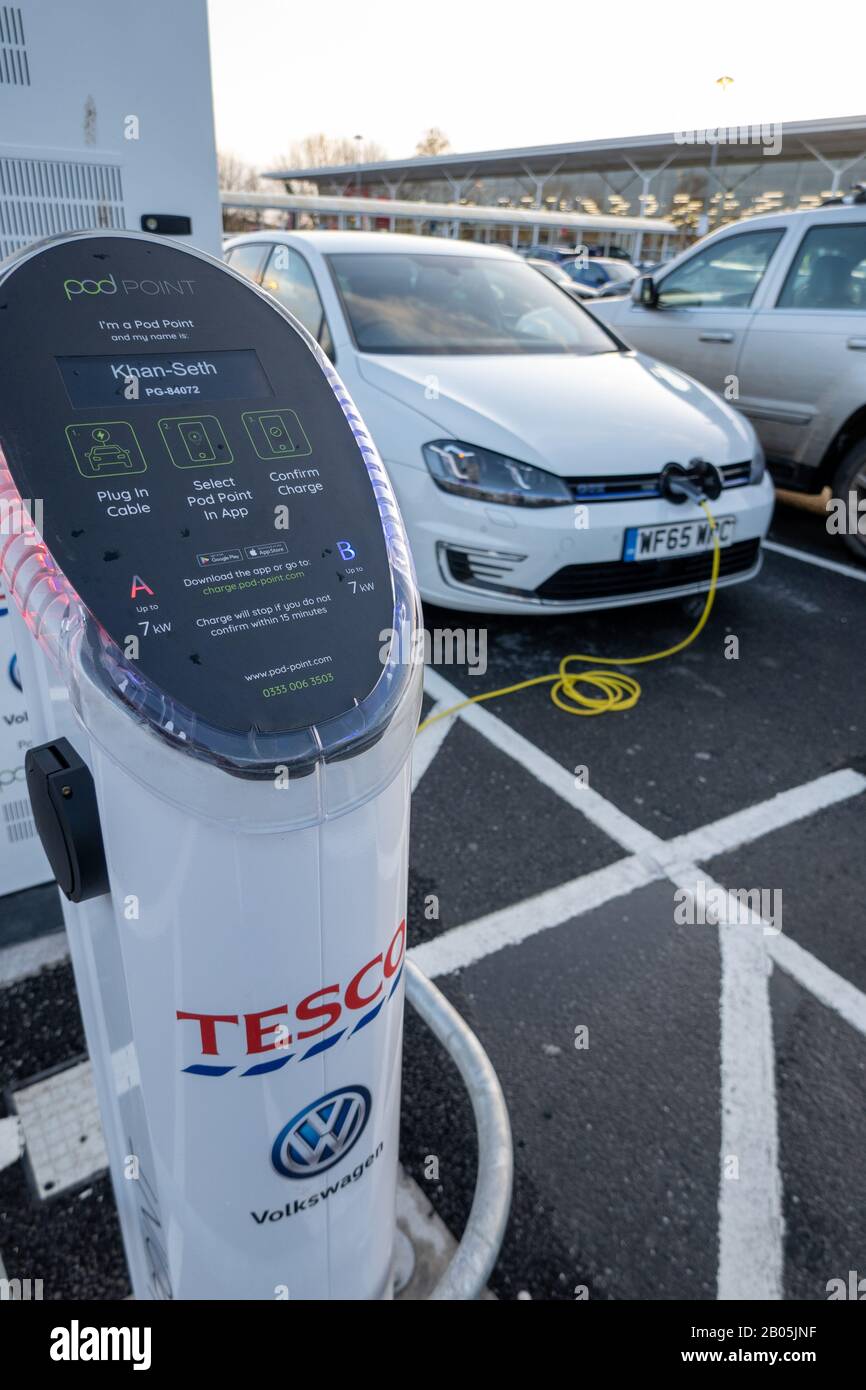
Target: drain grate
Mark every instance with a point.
(62, 1132)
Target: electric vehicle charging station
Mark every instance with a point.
(222, 778)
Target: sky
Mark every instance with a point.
(493, 74)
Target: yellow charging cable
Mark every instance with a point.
(618, 691)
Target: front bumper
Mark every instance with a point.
(486, 558)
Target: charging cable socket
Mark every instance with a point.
(698, 482)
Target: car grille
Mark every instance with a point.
(631, 486)
(621, 577)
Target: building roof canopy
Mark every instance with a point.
(837, 137)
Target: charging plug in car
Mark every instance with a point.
(698, 482)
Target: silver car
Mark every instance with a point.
(771, 313)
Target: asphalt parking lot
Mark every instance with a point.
(686, 1100)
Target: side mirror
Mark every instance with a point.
(644, 292)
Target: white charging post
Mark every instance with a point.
(222, 777)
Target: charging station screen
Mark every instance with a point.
(164, 376)
(216, 517)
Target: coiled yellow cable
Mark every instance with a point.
(617, 691)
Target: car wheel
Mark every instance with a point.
(851, 477)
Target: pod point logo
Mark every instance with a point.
(322, 1133)
(108, 285)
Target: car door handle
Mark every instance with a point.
(858, 344)
(716, 336)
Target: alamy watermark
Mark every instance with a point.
(853, 1288)
(77, 1343)
(710, 905)
(769, 136)
(846, 518)
(20, 1290)
(444, 646)
(18, 515)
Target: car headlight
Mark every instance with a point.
(489, 477)
(759, 464)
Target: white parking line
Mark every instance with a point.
(714, 838)
(472, 941)
(751, 1226)
(462, 946)
(750, 1206)
(426, 748)
(752, 823)
(818, 560)
(603, 814)
(837, 993)
(750, 1191)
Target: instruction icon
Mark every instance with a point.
(195, 441)
(276, 434)
(105, 449)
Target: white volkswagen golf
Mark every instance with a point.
(535, 457)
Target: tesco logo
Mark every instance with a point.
(301, 1031)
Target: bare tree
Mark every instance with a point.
(319, 151)
(433, 141)
(236, 176)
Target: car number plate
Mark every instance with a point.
(676, 538)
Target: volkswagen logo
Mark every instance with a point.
(322, 1133)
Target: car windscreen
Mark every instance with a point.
(620, 270)
(402, 302)
(552, 271)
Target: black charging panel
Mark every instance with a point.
(200, 485)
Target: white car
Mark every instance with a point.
(526, 444)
